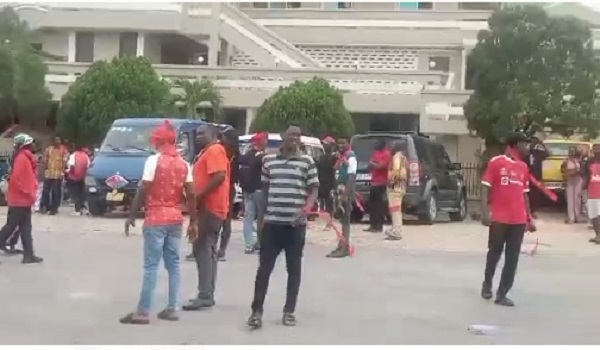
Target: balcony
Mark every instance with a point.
(364, 91)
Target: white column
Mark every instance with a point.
(250, 116)
(213, 40)
(72, 47)
(463, 69)
(141, 44)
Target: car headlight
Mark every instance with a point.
(90, 181)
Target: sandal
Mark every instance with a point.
(134, 318)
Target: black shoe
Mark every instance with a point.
(221, 256)
(255, 320)
(288, 319)
(337, 254)
(249, 250)
(504, 301)
(168, 315)
(486, 292)
(10, 251)
(392, 238)
(32, 260)
(198, 304)
(190, 257)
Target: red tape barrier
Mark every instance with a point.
(338, 232)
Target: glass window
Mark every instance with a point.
(363, 148)
(426, 6)
(277, 5)
(481, 6)
(183, 143)
(133, 138)
(344, 5)
(561, 149)
(260, 5)
(294, 5)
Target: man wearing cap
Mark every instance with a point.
(326, 168)
(505, 210)
(250, 171)
(22, 189)
(167, 177)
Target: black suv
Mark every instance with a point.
(434, 184)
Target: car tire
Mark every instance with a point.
(429, 216)
(96, 208)
(461, 214)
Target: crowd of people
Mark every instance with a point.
(281, 190)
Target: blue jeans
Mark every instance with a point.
(253, 204)
(160, 241)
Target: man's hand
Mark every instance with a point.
(130, 222)
(485, 218)
(531, 226)
(192, 232)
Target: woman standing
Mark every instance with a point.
(571, 168)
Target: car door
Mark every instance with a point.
(441, 174)
(448, 187)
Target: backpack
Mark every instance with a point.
(247, 171)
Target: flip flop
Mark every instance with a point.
(133, 318)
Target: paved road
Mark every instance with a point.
(421, 291)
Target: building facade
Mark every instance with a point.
(401, 66)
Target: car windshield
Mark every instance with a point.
(561, 149)
(130, 138)
(363, 148)
(272, 147)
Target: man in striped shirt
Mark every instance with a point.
(290, 185)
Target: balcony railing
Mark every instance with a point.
(364, 82)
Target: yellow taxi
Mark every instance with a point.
(558, 150)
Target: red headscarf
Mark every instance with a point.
(328, 140)
(163, 138)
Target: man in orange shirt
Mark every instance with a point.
(211, 185)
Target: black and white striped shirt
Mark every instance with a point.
(289, 179)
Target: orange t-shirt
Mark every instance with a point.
(213, 160)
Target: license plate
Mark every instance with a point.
(363, 177)
(115, 196)
(553, 184)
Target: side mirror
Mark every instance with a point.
(456, 166)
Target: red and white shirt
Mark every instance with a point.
(168, 175)
(507, 179)
(593, 188)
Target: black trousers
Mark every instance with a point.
(18, 217)
(14, 239)
(51, 195)
(508, 238)
(226, 231)
(377, 208)
(77, 193)
(326, 199)
(274, 239)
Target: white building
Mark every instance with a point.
(400, 65)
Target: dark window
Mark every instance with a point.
(442, 160)
(294, 5)
(479, 6)
(439, 63)
(84, 47)
(423, 148)
(426, 6)
(344, 5)
(128, 44)
(260, 5)
(277, 5)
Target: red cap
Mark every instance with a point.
(164, 133)
(328, 140)
(259, 137)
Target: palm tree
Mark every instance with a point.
(196, 93)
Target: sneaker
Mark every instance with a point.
(504, 301)
(249, 250)
(190, 257)
(221, 255)
(486, 292)
(198, 304)
(32, 260)
(288, 319)
(255, 320)
(168, 315)
(337, 254)
(134, 318)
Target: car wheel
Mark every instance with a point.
(461, 214)
(430, 215)
(96, 209)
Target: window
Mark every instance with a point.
(260, 5)
(414, 6)
(294, 5)
(344, 5)
(84, 47)
(442, 158)
(439, 63)
(277, 5)
(183, 144)
(479, 6)
(36, 46)
(128, 44)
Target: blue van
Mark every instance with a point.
(113, 177)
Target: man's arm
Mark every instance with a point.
(487, 180)
(216, 169)
(265, 177)
(140, 194)
(312, 182)
(190, 196)
(23, 177)
(350, 181)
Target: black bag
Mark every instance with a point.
(249, 171)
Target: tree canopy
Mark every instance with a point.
(124, 87)
(196, 92)
(315, 105)
(533, 69)
(24, 97)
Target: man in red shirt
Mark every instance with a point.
(211, 185)
(505, 209)
(591, 182)
(22, 190)
(77, 164)
(166, 179)
(380, 160)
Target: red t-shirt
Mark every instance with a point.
(379, 177)
(593, 188)
(508, 179)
